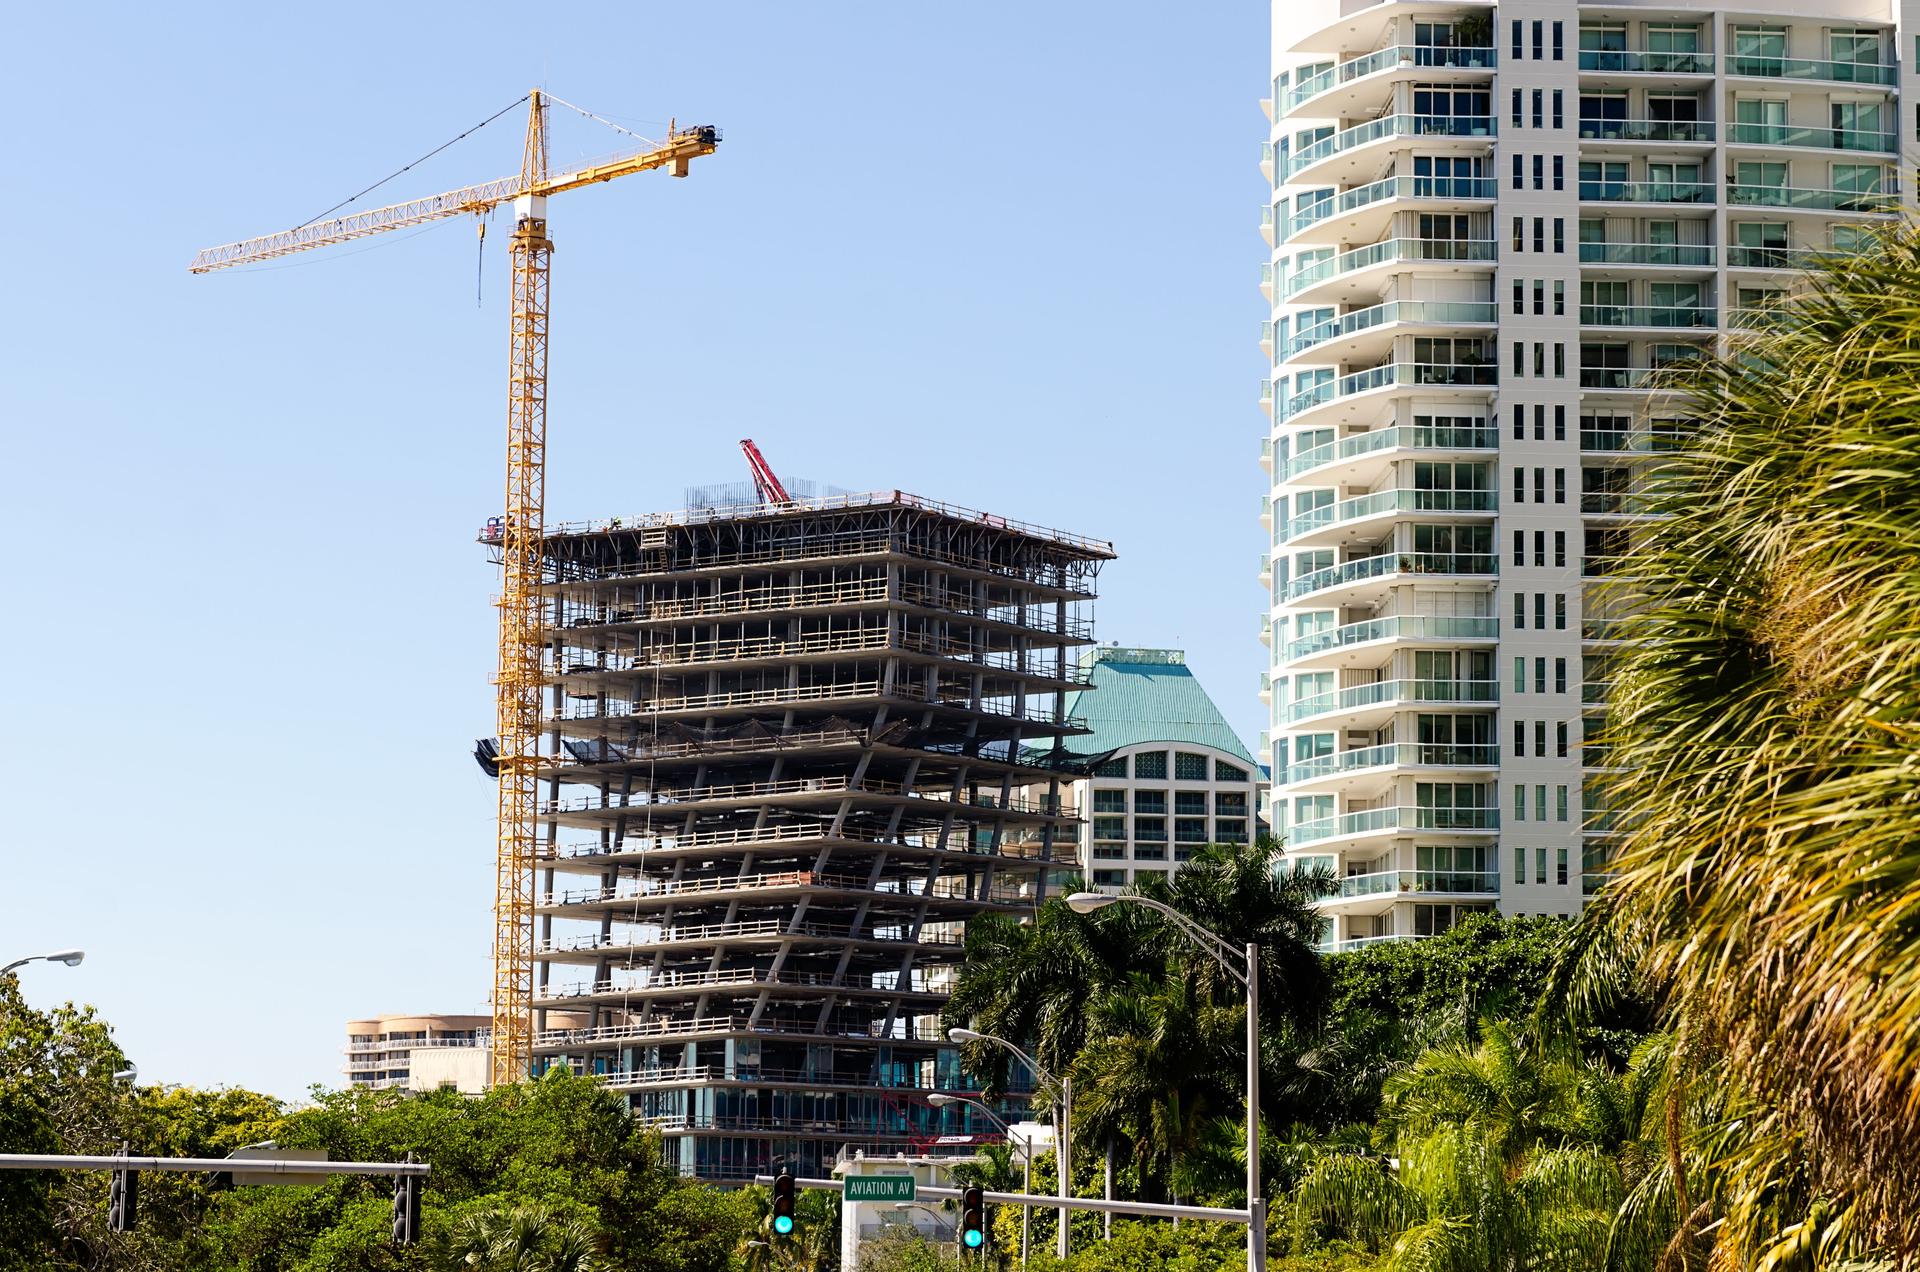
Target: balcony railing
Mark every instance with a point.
(1800, 68)
(1381, 502)
(1352, 943)
(1387, 563)
(1821, 138)
(1639, 62)
(1435, 374)
(1399, 627)
(1682, 130)
(1628, 441)
(1626, 377)
(1407, 55)
(1404, 754)
(1771, 196)
(1438, 312)
(1394, 249)
(1410, 436)
(1646, 191)
(1390, 126)
(1449, 188)
(1698, 255)
(1397, 818)
(1381, 692)
(1621, 502)
(1384, 882)
(1646, 316)
(1739, 257)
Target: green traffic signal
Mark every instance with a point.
(783, 1224)
(974, 1237)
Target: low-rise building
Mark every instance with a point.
(380, 1051)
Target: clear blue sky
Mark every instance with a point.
(1004, 254)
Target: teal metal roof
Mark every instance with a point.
(1148, 695)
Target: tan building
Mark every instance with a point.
(380, 1051)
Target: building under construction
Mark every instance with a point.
(792, 748)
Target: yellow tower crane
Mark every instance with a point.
(519, 680)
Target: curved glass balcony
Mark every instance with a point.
(1820, 138)
(1382, 502)
(1388, 882)
(1408, 436)
(1678, 130)
(1399, 627)
(1383, 692)
(1449, 188)
(1635, 62)
(1398, 55)
(1796, 258)
(1389, 126)
(1388, 563)
(1696, 255)
(1437, 312)
(1432, 374)
(1405, 754)
(1393, 250)
(1393, 820)
(1800, 68)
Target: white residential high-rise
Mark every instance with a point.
(1489, 226)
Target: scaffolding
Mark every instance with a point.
(788, 751)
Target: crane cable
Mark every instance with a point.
(417, 162)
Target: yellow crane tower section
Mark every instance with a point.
(520, 678)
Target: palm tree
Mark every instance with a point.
(1765, 728)
(520, 1238)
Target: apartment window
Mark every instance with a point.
(1519, 357)
(1559, 675)
(1110, 828)
(1188, 767)
(1539, 299)
(1538, 43)
(1230, 830)
(1559, 234)
(1519, 299)
(1539, 234)
(1189, 830)
(1516, 40)
(1559, 309)
(1519, 865)
(1519, 611)
(1539, 414)
(1539, 737)
(1559, 412)
(1109, 801)
(1539, 485)
(1539, 548)
(1225, 772)
(1519, 803)
(1559, 109)
(1519, 675)
(1519, 235)
(1519, 477)
(1560, 744)
(1519, 738)
(1559, 41)
(1560, 606)
(1231, 803)
(1519, 418)
(1539, 865)
(1539, 675)
(1559, 485)
(1540, 611)
(1539, 108)
(1539, 171)
(1540, 802)
(1559, 362)
(1559, 172)
(1517, 116)
(1109, 878)
(1150, 801)
(1560, 810)
(1190, 803)
(1519, 547)
(1517, 169)
(1151, 830)
(1151, 764)
(1539, 358)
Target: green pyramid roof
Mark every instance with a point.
(1148, 695)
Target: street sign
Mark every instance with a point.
(879, 1188)
(256, 1178)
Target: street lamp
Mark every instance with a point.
(940, 1101)
(1243, 966)
(1062, 1115)
(70, 957)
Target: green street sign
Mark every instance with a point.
(879, 1188)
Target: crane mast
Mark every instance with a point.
(520, 677)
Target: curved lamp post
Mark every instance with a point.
(1243, 966)
(70, 957)
(1062, 1113)
(1026, 1211)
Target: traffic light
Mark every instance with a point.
(123, 1197)
(406, 1209)
(783, 1185)
(973, 1218)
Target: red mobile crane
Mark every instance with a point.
(771, 491)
